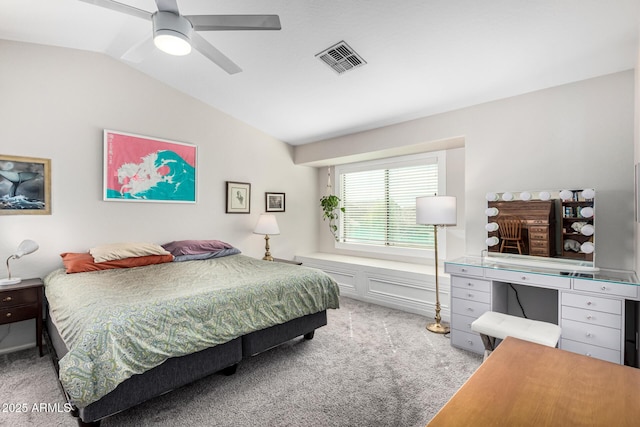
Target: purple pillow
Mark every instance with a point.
(195, 247)
(209, 255)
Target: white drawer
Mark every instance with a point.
(471, 342)
(606, 288)
(591, 334)
(529, 279)
(591, 351)
(471, 295)
(468, 308)
(462, 323)
(468, 283)
(593, 317)
(590, 302)
(463, 270)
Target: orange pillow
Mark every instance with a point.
(83, 262)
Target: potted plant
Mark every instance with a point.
(331, 210)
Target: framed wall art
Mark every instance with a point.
(146, 169)
(274, 202)
(238, 197)
(25, 186)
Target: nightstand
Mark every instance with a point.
(23, 301)
(287, 261)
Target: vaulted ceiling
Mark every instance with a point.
(422, 56)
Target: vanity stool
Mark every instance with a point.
(493, 327)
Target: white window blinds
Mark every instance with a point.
(380, 201)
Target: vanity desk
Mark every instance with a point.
(596, 309)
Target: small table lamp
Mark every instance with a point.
(436, 211)
(267, 225)
(26, 247)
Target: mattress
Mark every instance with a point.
(118, 323)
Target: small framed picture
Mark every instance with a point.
(238, 197)
(274, 202)
(25, 186)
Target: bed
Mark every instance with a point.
(121, 336)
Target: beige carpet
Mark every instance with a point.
(370, 366)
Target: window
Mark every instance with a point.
(379, 198)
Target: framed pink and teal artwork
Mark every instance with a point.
(145, 169)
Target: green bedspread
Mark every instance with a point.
(117, 323)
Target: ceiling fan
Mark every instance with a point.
(176, 34)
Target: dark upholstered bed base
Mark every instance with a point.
(259, 341)
(179, 371)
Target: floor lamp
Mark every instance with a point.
(436, 211)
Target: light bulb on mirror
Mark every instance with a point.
(492, 241)
(507, 196)
(544, 195)
(588, 193)
(491, 211)
(587, 230)
(587, 248)
(525, 195)
(566, 195)
(491, 197)
(492, 226)
(586, 212)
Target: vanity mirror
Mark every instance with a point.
(552, 224)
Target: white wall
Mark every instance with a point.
(636, 152)
(54, 103)
(572, 136)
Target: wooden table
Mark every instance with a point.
(527, 384)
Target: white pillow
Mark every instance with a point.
(115, 251)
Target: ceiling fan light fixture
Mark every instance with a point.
(172, 33)
(172, 43)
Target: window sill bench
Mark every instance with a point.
(404, 286)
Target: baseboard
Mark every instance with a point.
(18, 348)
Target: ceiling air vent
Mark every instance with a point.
(341, 58)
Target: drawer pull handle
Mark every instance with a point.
(469, 309)
(588, 354)
(589, 303)
(8, 314)
(464, 270)
(588, 334)
(470, 342)
(589, 317)
(604, 288)
(524, 277)
(7, 299)
(469, 284)
(470, 295)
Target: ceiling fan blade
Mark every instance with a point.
(120, 7)
(219, 58)
(168, 6)
(234, 22)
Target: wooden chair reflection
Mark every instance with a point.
(510, 229)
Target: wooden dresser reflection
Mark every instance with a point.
(539, 222)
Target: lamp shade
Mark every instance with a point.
(25, 248)
(436, 210)
(267, 224)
